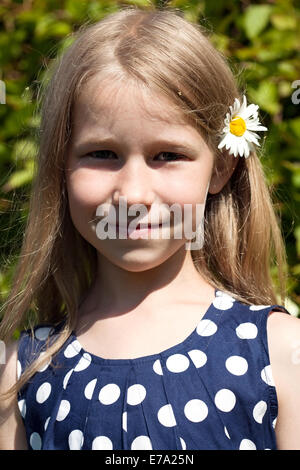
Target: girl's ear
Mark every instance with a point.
(224, 168)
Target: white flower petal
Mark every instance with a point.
(243, 106)
(237, 104)
(255, 127)
(224, 141)
(250, 110)
(235, 147)
(247, 152)
(248, 131)
(251, 137)
(230, 142)
(241, 146)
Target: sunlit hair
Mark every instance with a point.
(160, 50)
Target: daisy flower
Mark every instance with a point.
(240, 124)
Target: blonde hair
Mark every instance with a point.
(242, 241)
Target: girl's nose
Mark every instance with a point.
(134, 182)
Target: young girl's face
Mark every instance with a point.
(128, 142)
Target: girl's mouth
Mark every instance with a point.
(141, 226)
(140, 231)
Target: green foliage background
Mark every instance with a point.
(262, 42)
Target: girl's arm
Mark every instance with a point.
(12, 431)
(284, 349)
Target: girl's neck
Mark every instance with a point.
(116, 290)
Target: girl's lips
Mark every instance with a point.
(141, 227)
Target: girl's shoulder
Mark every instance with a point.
(12, 432)
(283, 333)
(284, 338)
(235, 312)
(34, 341)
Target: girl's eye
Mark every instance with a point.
(171, 156)
(104, 154)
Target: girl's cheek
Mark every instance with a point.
(87, 187)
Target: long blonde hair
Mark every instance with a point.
(242, 239)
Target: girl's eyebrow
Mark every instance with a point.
(182, 145)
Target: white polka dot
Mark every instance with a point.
(22, 407)
(109, 394)
(225, 400)
(42, 333)
(141, 443)
(83, 363)
(75, 439)
(45, 366)
(35, 441)
(223, 302)
(157, 367)
(43, 392)
(274, 422)
(177, 363)
(226, 432)
(267, 376)
(47, 422)
(102, 443)
(198, 357)
(183, 444)
(236, 365)
(124, 421)
(19, 369)
(220, 293)
(63, 410)
(246, 444)
(136, 394)
(258, 307)
(206, 328)
(72, 349)
(89, 389)
(196, 410)
(246, 330)
(166, 416)
(259, 411)
(66, 379)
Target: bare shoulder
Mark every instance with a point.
(12, 432)
(284, 350)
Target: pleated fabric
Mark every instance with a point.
(212, 391)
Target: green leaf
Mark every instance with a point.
(24, 149)
(255, 19)
(284, 22)
(48, 26)
(20, 178)
(266, 96)
(295, 126)
(297, 236)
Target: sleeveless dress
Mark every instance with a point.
(212, 391)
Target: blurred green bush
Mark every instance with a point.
(261, 41)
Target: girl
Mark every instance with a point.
(136, 342)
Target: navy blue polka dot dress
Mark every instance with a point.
(214, 390)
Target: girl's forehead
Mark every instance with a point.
(111, 98)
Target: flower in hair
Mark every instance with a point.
(240, 124)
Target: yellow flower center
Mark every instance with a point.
(237, 126)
